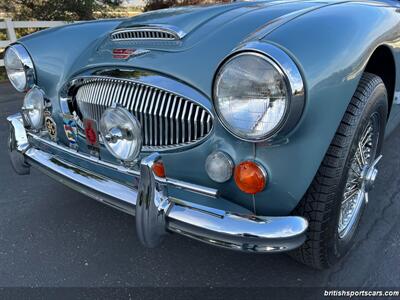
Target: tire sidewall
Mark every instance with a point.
(376, 103)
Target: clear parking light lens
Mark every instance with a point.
(33, 108)
(19, 67)
(219, 166)
(250, 96)
(121, 133)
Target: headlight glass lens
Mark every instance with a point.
(250, 96)
(19, 67)
(33, 108)
(121, 133)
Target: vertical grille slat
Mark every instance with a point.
(183, 122)
(196, 115)
(166, 128)
(189, 122)
(202, 119)
(177, 120)
(171, 120)
(146, 117)
(134, 97)
(168, 120)
(160, 120)
(151, 113)
(156, 139)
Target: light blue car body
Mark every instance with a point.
(330, 41)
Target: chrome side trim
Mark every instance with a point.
(154, 32)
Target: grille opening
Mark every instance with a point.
(144, 33)
(168, 120)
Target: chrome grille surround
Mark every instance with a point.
(158, 33)
(168, 120)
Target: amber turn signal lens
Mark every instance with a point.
(158, 169)
(249, 177)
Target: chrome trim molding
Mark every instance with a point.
(152, 32)
(27, 63)
(294, 82)
(157, 213)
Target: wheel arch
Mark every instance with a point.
(382, 63)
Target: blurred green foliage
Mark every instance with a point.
(61, 10)
(158, 4)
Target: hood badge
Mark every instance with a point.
(126, 53)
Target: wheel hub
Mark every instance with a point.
(369, 175)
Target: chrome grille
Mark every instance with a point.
(144, 33)
(167, 120)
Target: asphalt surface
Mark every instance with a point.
(53, 236)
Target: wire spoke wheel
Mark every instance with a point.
(361, 176)
(337, 197)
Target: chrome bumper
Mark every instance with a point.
(156, 212)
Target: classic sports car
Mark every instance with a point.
(254, 126)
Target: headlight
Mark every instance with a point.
(19, 67)
(33, 108)
(251, 96)
(121, 133)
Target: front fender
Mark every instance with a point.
(61, 51)
(331, 47)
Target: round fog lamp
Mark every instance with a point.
(121, 133)
(219, 166)
(33, 108)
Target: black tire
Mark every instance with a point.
(322, 202)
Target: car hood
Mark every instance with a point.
(185, 18)
(211, 33)
(203, 21)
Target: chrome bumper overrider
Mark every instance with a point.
(156, 212)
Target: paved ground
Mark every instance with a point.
(53, 236)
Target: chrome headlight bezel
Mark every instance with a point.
(291, 76)
(26, 66)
